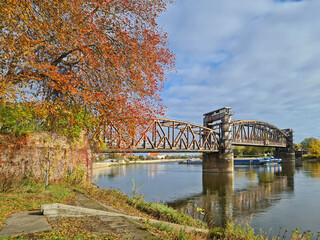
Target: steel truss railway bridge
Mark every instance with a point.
(215, 138)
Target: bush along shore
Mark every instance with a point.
(28, 194)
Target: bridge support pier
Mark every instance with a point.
(217, 162)
(286, 154)
(221, 161)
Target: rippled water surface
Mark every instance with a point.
(285, 196)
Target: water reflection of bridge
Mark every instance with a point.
(222, 203)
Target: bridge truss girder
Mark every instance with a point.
(257, 133)
(165, 135)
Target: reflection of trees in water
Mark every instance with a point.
(222, 203)
(313, 169)
(122, 170)
(110, 172)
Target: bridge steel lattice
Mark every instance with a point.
(218, 135)
(165, 135)
(257, 133)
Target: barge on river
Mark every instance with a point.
(242, 161)
(256, 161)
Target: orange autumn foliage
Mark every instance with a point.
(107, 56)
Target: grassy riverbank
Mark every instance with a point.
(29, 195)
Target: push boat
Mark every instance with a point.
(256, 161)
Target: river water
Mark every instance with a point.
(272, 198)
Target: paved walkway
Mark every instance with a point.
(24, 222)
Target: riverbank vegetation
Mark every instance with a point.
(29, 195)
(310, 148)
(251, 151)
(315, 148)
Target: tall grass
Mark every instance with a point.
(165, 213)
(9, 181)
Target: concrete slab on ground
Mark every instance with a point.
(84, 201)
(56, 210)
(24, 222)
(63, 210)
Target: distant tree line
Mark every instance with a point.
(251, 151)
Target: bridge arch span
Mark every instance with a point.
(257, 133)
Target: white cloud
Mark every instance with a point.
(261, 58)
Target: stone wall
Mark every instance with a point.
(31, 158)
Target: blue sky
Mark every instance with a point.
(262, 58)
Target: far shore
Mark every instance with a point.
(100, 165)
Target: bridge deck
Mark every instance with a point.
(258, 144)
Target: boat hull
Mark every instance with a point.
(256, 161)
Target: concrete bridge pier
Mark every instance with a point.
(217, 162)
(221, 161)
(286, 154)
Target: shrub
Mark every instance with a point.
(9, 181)
(76, 178)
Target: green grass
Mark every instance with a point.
(162, 227)
(165, 213)
(243, 231)
(30, 195)
(236, 231)
(164, 231)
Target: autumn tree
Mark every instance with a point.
(315, 148)
(237, 150)
(305, 144)
(84, 63)
(254, 151)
